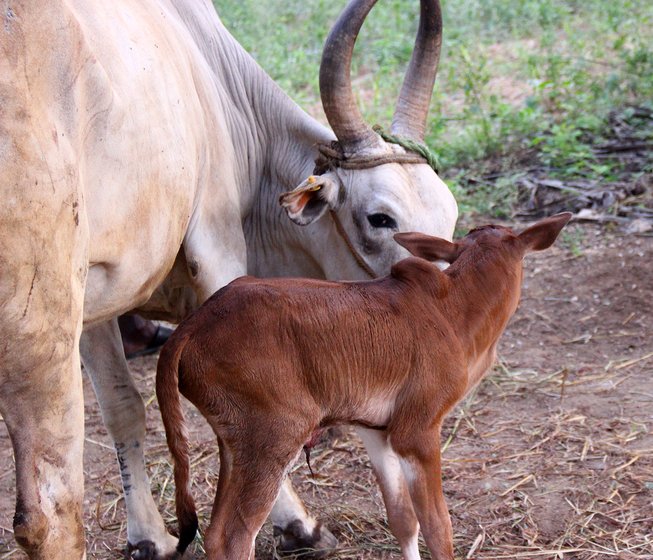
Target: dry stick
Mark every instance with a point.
(635, 458)
(633, 361)
(530, 554)
(162, 491)
(463, 412)
(98, 505)
(477, 544)
(565, 374)
(453, 432)
(515, 486)
(203, 459)
(627, 320)
(99, 443)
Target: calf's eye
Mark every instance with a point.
(382, 221)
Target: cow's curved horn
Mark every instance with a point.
(413, 104)
(335, 79)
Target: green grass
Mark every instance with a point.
(516, 76)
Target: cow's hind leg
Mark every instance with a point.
(44, 412)
(42, 279)
(123, 413)
(295, 529)
(43, 256)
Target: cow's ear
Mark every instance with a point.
(428, 247)
(307, 202)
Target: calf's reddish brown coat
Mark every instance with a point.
(268, 362)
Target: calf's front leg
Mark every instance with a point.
(419, 454)
(387, 468)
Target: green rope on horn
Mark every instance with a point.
(410, 145)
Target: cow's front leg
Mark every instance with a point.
(123, 413)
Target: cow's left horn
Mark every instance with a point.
(335, 80)
(413, 105)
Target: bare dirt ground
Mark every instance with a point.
(550, 457)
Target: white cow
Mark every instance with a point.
(143, 153)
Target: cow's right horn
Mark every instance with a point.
(413, 104)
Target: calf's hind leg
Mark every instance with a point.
(293, 525)
(252, 470)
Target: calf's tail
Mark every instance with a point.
(167, 392)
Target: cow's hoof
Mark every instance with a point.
(295, 539)
(146, 550)
(30, 529)
(143, 550)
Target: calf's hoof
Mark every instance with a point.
(295, 539)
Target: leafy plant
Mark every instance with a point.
(516, 76)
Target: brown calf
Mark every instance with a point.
(269, 362)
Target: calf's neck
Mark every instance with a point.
(270, 362)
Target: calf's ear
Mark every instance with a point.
(542, 235)
(312, 198)
(428, 247)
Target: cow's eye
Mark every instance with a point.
(381, 221)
